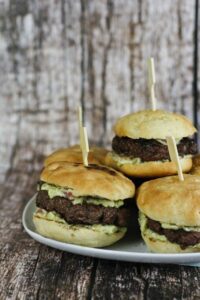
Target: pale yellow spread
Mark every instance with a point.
(54, 191)
(104, 202)
(54, 216)
(151, 234)
(122, 160)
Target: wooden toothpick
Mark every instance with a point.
(84, 145)
(173, 153)
(152, 81)
(83, 137)
(80, 116)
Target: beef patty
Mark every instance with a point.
(180, 236)
(150, 149)
(83, 214)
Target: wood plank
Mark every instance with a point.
(120, 39)
(190, 283)
(117, 280)
(167, 277)
(142, 281)
(56, 54)
(40, 75)
(29, 269)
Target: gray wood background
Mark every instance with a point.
(57, 54)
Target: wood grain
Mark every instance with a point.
(58, 54)
(53, 56)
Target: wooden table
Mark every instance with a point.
(29, 270)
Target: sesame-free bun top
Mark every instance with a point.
(169, 200)
(158, 124)
(74, 154)
(94, 180)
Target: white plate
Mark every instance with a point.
(131, 248)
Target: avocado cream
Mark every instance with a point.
(151, 234)
(143, 221)
(54, 191)
(53, 216)
(122, 160)
(103, 202)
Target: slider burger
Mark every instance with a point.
(74, 154)
(140, 147)
(82, 205)
(169, 214)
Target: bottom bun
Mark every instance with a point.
(166, 247)
(82, 235)
(150, 169)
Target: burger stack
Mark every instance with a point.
(140, 148)
(169, 214)
(83, 205)
(90, 205)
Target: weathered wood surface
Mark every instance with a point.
(54, 55)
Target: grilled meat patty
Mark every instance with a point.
(150, 149)
(180, 236)
(83, 214)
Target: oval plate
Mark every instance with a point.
(130, 248)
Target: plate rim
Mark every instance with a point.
(104, 253)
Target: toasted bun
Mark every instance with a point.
(169, 200)
(149, 124)
(94, 180)
(195, 165)
(150, 169)
(84, 236)
(166, 246)
(73, 154)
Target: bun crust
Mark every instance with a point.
(83, 236)
(73, 154)
(166, 246)
(195, 165)
(169, 200)
(151, 169)
(149, 124)
(94, 180)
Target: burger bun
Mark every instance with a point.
(150, 169)
(83, 235)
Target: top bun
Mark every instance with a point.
(169, 200)
(94, 180)
(158, 124)
(74, 154)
